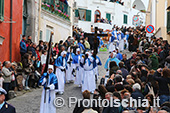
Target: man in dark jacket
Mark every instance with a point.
(137, 95)
(4, 106)
(110, 109)
(23, 48)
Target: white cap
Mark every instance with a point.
(63, 53)
(78, 49)
(2, 91)
(136, 86)
(51, 67)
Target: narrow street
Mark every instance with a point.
(30, 102)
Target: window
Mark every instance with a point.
(83, 14)
(40, 35)
(125, 19)
(2, 10)
(49, 29)
(108, 16)
(168, 22)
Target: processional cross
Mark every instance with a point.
(96, 40)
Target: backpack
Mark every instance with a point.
(151, 90)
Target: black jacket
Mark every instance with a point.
(163, 83)
(7, 109)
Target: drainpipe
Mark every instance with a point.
(10, 43)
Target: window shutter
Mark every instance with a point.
(88, 15)
(108, 16)
(2, 10)
(125, 19)
(76, 13)
(168, 21)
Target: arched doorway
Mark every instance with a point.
(139, 5)
(97, 16)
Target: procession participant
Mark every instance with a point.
(112, 45)
(88, 80)
(112, 57)
(97, 63)
(119, 55)
(77, 67)
(61, 66)
(69, 75)
(126, 40)
(121, 41)
(49, 81)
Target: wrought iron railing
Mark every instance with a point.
(57, 7)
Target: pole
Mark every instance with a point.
(10, 43)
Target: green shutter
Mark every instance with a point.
(76, 13)
(108, 16)
(125, 19)
(168, 21)
(88, 15)
(2, 10)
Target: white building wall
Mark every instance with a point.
(116, 10)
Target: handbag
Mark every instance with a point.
(12, 77)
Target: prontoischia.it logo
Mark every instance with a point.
(60, 102)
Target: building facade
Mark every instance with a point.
(159, 16)
(88, 11)
(10, 29)
(55, 16)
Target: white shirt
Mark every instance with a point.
(43, 59)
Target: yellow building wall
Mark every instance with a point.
(60, 32)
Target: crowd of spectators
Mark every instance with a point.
(145, 75)
(102, 20)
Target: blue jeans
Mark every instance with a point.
(26, 80)
(164, 98)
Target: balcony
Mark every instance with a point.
(57, 8)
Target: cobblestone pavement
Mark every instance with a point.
(30, 102)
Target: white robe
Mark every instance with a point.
(121, 44)
(79, 73)
(69, 75)
(48, 107)
(61, 79)
(89, 77)
(111, 45)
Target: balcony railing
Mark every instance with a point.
(57, 7)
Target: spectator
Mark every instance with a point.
(43, 60)
(1, 80)
(124, 71)
(7, 76)
(23, 48)
(26, 62)
(109, 109)
(55, 49)
(14, 80)
(86, 43)
(163, 79)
